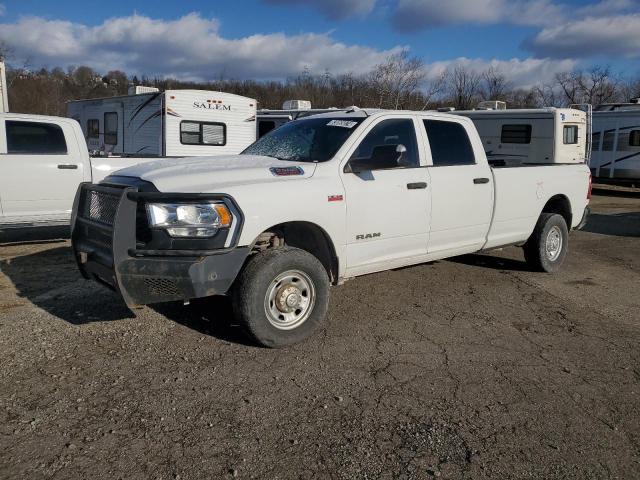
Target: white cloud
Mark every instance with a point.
(522, 73)
(190, 47)
(332, 9)
(613, 35)
(412, 15)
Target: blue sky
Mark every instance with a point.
(529, 40)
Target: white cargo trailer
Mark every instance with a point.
(173, 123)
(616, 143)
(532, 136)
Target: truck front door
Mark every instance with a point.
(41, 168)
(387, 198)
(461, 188)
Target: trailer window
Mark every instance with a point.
(93, 128)
(595, 141)
(634, 138)
(516, 134)
(35, 138)
(111, 128)
(570, 135)
(203, 133)
(450, 144)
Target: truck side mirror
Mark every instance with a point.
(382, 157)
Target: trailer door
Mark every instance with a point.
(113, 131)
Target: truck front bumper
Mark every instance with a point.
(106, 249)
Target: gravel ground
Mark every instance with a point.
(469, 368)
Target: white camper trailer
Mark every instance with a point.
(173, 123)
(268, 120)
(616, 143)
(532, 136)
(4, 94)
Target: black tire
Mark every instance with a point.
(535, 250)
(257, 279)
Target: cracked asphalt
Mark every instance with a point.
(469, 368)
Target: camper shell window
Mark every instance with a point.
(634, 138)
(111, 128)
(570, 135)
(516, 134)
(93, 128)
(203, 133)
(35, 138)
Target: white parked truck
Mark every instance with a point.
(313, 203)
(42, 162)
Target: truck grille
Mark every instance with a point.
(100, 207)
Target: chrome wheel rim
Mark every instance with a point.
(289, 300)
(553, 244)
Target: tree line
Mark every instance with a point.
(400, 82)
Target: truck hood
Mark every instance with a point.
(209, 174)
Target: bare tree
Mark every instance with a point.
(397, 79)
(464, 87)
(495, 85)
(598, 85)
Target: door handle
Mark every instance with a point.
(68, 166)
(478, 181)
(416, 185)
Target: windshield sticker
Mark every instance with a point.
(342, 123)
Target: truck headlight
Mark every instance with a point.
(201, 220)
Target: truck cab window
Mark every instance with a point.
(570, 135)
(450, 144)
(93, 128)
(265, 126)
(516, 134)
(390, 144)
(111, 128)
(35, 138)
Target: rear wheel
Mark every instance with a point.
(547, 247)
(281, 296)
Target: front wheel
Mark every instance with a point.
(281, 296)
(547, 246)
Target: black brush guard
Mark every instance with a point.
(104, 235)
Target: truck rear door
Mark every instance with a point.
(41, 168)
(461, 186)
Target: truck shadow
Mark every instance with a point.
(208, 316)
(489, 261)
(49, 279)
(616, 224)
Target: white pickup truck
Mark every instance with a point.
(42, 162)
(316, 202)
